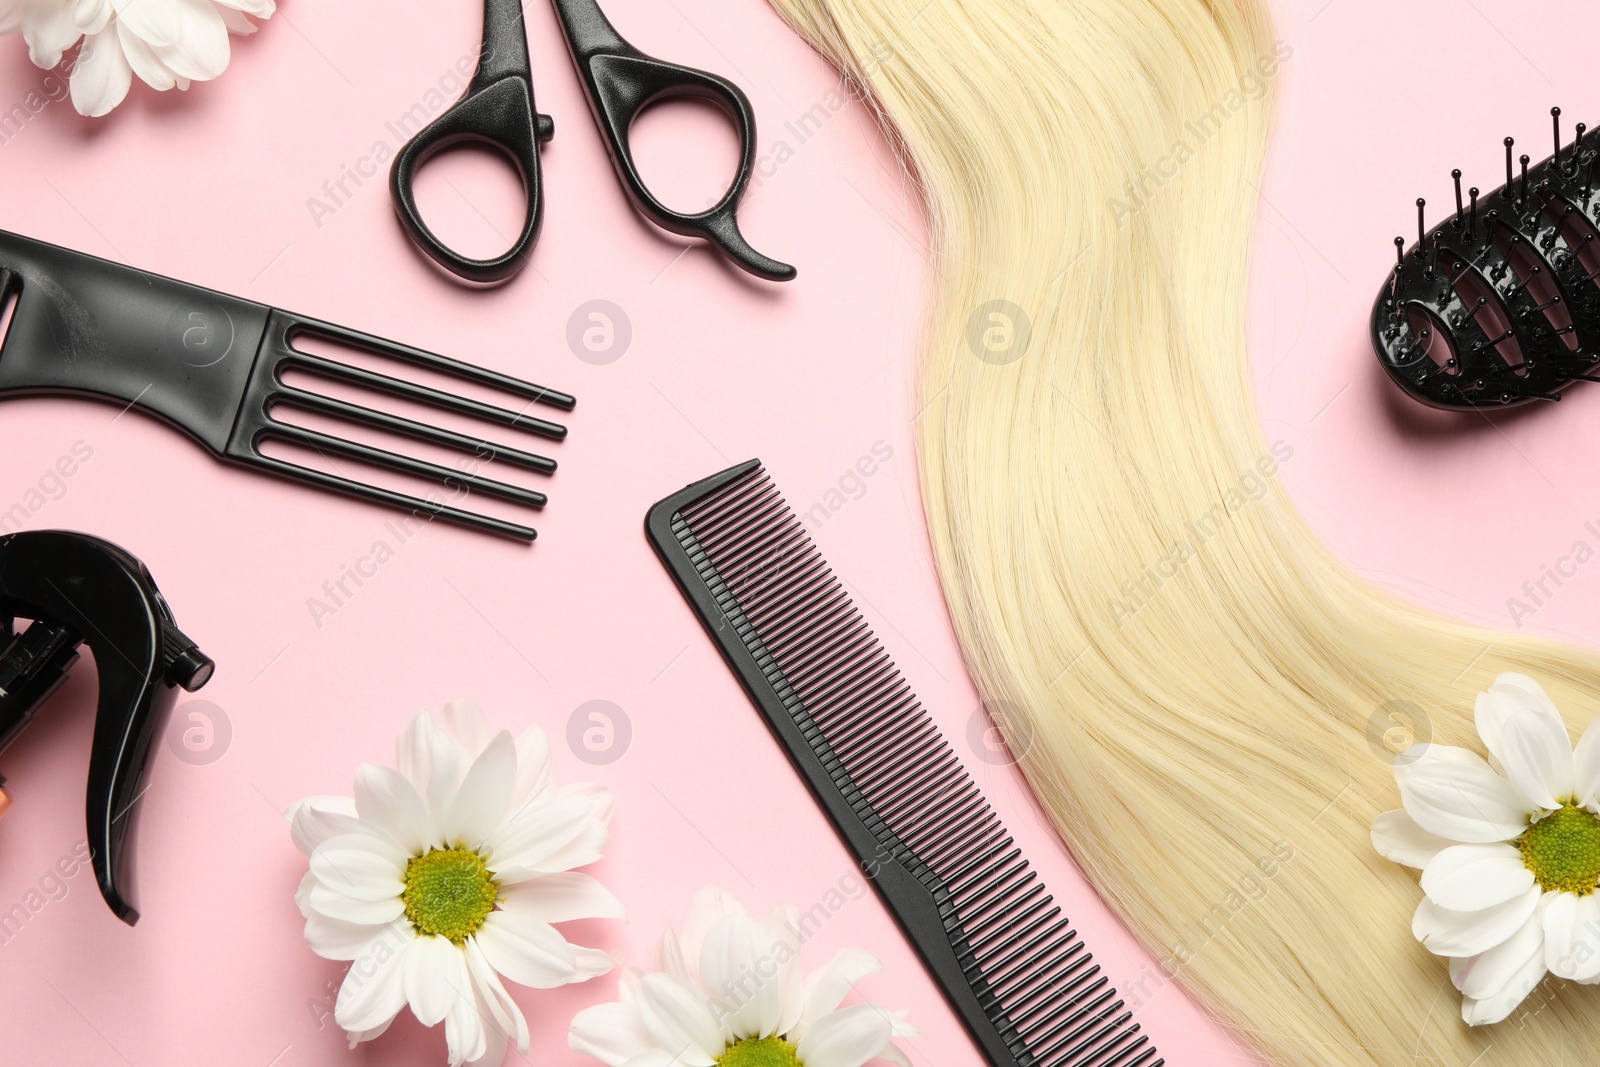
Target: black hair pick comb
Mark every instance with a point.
(1499, 304)
(76, 590)
(213, 366)
(988, 931)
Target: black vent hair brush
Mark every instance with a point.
(1499, 304)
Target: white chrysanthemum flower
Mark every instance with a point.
(730, 992)
(440, 877)
(168, 43)
(1509, 850)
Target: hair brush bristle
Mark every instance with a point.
(1499, 304)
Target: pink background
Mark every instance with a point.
(213, 187)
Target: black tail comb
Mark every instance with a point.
(1499, 304)
(213, 365)
(1008, 960)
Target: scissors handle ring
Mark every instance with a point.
(624, 86)
(499, 115)
(620, 82)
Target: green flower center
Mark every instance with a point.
(759, 1052)
(1563, 850)
(448, 893)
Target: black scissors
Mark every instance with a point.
(620, 82)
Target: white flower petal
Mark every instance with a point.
(492, 994)
(11, 16)
(534, 834)
(465, 1036)
(782, 925)
(1537, 756)
(611, 1033)
(335, 939)
(91, 16)
(526, 950)
(202, 50)
(1396, 836)
(371, 996)
(434, 761)
(48, 29)
(237, 21)
(559, 898)
(1464, 801)
(485, 792)
(413, 749)
(628, 985)
(1469, 933)
(1500, 1006)
(101, 77)
(1483, 976)
(158, 22)
(466, 722)
(738, 967)
(436, 977)
(337, 905)
(315, 819)
(1586, 766)
(494, 1053)
(580, 851)
(1509, 695)
(1429, 752)
(655, 1057)
(845, 1038)
(705, 907)
(448, 766)
(261, 9)
(359, 866)
(827, 987)
(387, 799)
(1474, 877)
(600, 798)
(892, 1053)
(356, 1037)
(536, 774)
(680, 1017)
(302, 894)
(669, 955)
(1572, 935)
(1532, 693)
(591, 962)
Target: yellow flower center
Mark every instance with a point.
(1563, 850)
(448, 893)
(759, 1052)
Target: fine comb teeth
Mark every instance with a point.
(213, 365)
(1007, 959)
(267, 392)
(1499, 304)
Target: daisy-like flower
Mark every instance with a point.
(440, 877)
(168, 43)
(1509, 850)
(730, 992)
